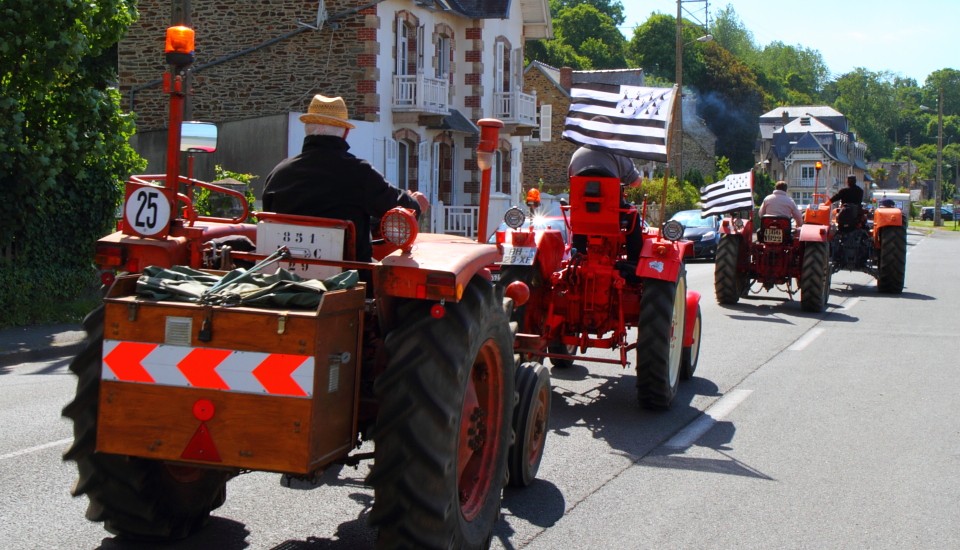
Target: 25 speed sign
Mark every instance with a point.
(146, 211)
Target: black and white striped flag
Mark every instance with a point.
(732, 193)
(627, 120)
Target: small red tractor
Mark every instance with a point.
(174, 398)
(878, 248)
(590, 297)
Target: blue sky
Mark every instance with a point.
(912, 38)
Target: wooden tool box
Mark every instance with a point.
(237, 387)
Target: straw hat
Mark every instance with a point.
(331, 111)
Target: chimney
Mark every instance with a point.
(566, 78)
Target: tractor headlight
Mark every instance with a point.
(399, 227)
(514, 217)
(672, 230)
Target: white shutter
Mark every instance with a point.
(401, 48)
(378, 156)
(390, 168)
(516, 68)
(435, 173)
(515, 187)
(423, 169)
(454, 174)
(420, 49)
(498, 84)
(546, 122)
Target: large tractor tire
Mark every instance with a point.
(815, 277)
(690, 355)
(531, 276)
(728, 282)
(893, 259)
(660, 341)
(134, 497)
(530, 422)
(444, 430)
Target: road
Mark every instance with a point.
(832, 430)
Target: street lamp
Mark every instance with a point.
(937, 221)
(678, 135)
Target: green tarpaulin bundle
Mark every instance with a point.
(239, 287)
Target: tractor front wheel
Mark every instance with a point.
(530, 422)
(893, 259)
(660, 341)
(134, 497)
(728, 283)
(443, 431)
(815, 277)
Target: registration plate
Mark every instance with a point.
(773, 235)
(518, 255)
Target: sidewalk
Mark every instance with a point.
(39, 343)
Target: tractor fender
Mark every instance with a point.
(814, 233)
(662, 259)
(887, 217)
(693, 303)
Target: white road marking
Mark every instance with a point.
(805, 340)
(35, 449)
(850, 303)
(717, 412)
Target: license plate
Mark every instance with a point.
(773, 235)
(518, 255)
(495, 276)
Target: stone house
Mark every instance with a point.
(546, 154)
(794, 139)
(416, 75)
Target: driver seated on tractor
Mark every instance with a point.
(779, 203)
(587, 161)
(327, 181)
(850, 197)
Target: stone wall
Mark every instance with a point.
(547, 160)
(238, 75)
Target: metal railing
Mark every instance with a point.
(515, 107)
(420, 93)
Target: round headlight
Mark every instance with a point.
(399, 227)
(514, 217)
(738, 223)
(672, 230)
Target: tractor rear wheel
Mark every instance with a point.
(443, 431)
(530, 422)
(893, 259)
(660, 341)
(815, 277)
(728, 283)
(134, 497)
(691, 354)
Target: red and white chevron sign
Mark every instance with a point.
(277, 374)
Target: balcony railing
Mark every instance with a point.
(515, 107)
(419, 93)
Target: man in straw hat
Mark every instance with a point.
(327, 181)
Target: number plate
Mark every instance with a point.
(518, 255)
(304, 241)
(773, 235)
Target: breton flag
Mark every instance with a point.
(628, 120)
(734, 192)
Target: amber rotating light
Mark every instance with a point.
(489, 137)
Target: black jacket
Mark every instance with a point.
(325, 180)
(849, 195)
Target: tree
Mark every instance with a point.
(868, 101)
(64, 147)
(729, 32)
(592, 34)
(611, 8)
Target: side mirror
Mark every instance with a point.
(198, 137)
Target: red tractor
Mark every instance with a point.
(175, 398)
(590, 297)
(775, 256)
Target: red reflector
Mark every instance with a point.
(201, 446)
(108, 256)
(438, 311)
(107, 278)
(203, 410)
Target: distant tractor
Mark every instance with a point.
(878, 248)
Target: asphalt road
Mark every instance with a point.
(832, 430)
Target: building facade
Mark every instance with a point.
(416, 76)
(794, 139)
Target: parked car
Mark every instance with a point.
(946, 213)
(703, 232)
